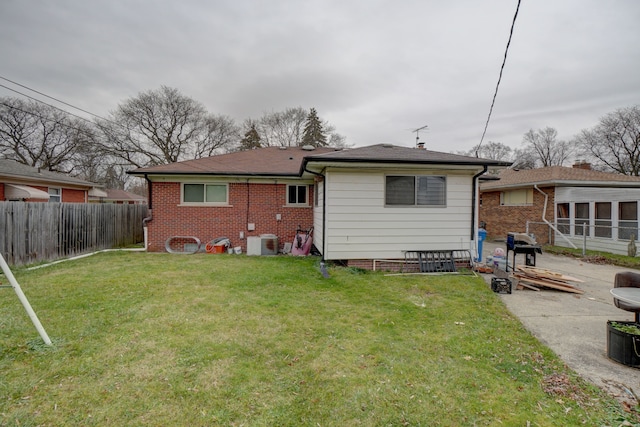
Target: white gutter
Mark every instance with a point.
(544, 219)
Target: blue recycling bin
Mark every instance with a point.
(482, 235)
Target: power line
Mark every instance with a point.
(58, 122)
(123, 132)
(495, 94)
(42, 102)
(51, 97)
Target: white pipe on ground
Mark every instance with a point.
(23, 299)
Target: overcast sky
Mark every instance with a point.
(376, 70)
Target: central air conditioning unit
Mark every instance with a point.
(265, 244)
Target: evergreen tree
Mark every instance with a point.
(314, 133)
(251, 139)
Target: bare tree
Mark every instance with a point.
(491, 150)
(524, 159)
(282, 129)
(39, 135)
(163, 126)
(615, 141)
(549, 151)
(221, 132)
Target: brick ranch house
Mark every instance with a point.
(566, 198)
(365, 204)
(19, 182)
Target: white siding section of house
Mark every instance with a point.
(591, 195)
(586, 194)
(317, 216)
(359, 226)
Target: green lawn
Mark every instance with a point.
(160, 339)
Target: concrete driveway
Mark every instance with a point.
(573, 325)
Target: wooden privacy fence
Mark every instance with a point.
(33, 232)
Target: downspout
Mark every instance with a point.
(473, 205)
(544, 218)
(324, 218)
(150, 217)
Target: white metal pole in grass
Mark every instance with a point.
(23, 299)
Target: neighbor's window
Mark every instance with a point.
(297, 194)
(627, 220)
(205, 193)
(562, 218)
(581, 217)
(517, 197)
(603, 219)
(55, 195)
(416, 191)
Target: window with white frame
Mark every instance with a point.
(297, 195)
(216, 194)
(603, 219)
(627, 220)
(581, 217)
(55, 194)
(563, 220)
(421, 190)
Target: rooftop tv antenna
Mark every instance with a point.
(417, 131)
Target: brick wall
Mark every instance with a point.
(502, 219)
(1, 191)
(73, 196)
(249, 203)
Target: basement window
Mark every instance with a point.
(212, 194)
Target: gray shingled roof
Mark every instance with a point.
(388, 153)
(269, 161)
(559, 176)
(10, 169)
(276, 161)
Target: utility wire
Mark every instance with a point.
(42, 102)
(495, 94)
(58, 122)
(122, 132)
(51, 97)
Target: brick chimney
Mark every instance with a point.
(581, 164)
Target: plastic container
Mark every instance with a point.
(500, 262)
(482, 236)
(623, 347)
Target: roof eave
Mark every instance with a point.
(562, 183)
(220, 174)
(378, 162)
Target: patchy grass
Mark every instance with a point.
(160, 339)
(596, 257)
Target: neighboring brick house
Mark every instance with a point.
(365, 204)
(606, 202)
(119, 197)
(19, 182)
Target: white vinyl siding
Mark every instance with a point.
(608, 212)
(361, 226)
(317, 217)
